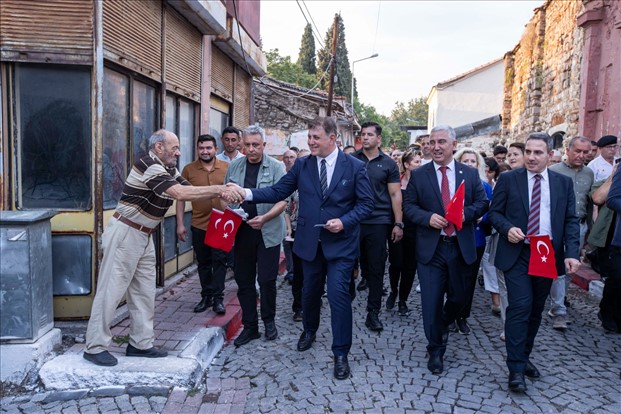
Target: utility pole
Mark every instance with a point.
(335, 34)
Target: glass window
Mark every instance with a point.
(54, 136)
(115, 135)
(71, 272)
(217, 122)
(144, 117)
(171, 114)
(170, 238)
(186, 132)
(185, 246)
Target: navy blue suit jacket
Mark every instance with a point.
(349, 198)
(614, 203)
(423, 198)
(510, 208)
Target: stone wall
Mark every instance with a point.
(542, 74)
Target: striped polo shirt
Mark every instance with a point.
(143, 200)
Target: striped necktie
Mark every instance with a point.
(535, 207)
(323, 178)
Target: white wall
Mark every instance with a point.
(476, 97)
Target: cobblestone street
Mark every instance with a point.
(580, 371)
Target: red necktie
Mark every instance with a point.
(446, 197)
(535, 207)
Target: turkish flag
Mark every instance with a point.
(455, 207)
(222, 228)
(542, 261)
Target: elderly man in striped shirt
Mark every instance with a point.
(128, 265)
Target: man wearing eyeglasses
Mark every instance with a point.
(608, 150)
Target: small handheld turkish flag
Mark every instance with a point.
(542, 260)
(222, 228)
(455, 207)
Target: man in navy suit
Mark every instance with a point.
(444, 254)
(523, 203)
(335, 195)
(614, 203)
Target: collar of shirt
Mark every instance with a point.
(450, 166)
(330, 159)
(544, 175)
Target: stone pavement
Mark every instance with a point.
(580, 367)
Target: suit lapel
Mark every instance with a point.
(459, 175)
(339, 170)
(553, 187)
(433, 182)
(522, 185)
(314, 174)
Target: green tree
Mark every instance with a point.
(281, 68)
(342, 85)
(306, 57)
(413, 113)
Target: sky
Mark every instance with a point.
(419, 43)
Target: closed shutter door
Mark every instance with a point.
(241, 99)
(221, 74)
(183, 56)
(132, 35)
(56, 31)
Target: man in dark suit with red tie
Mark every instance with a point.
(444, 254)
(523, 203)
(335, 195)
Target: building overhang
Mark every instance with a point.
(207, 16)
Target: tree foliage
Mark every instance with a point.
(306, 57)
(282, 68)
(342, 86)
(413, 113)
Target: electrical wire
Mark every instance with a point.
(379, 6)
(305, 18)
(312, 20)
(240, 39)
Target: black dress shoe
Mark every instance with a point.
(152, 352)
(517, 382)
(390, 302)
(218, 307)
(306, 340)
(297, 316)
(271, 332)
(435, 364)
(462, 326)
(341, 367)
(531, 371)
(103, 358)
(247, 335)
(362, 285)
(403, 309)
(373, 322)
(203, 305)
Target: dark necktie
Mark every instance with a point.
(446, 198)
(323, 178)
(535, 207)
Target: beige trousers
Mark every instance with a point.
(127, 268)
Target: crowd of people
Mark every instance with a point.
(344, 214)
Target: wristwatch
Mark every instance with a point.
(399, 224)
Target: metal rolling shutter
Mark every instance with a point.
(221, 74)
(132, 35)
(55, 31)
(183, 56)
(241, 98)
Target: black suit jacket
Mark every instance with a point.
(423, 198)
(510, 208)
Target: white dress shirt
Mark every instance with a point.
(601, 168)
(330, 164)
(545, 217)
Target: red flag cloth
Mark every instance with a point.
(542, 261)
(455, 207)
(221, 229)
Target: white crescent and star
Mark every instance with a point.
(544, 257)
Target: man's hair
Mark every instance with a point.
(231, 130)
(348, 147)
(295, 149)
(206, 137)
(421, 137)
(541, 136)
(158, 136)
(580, 138)
(378, 128)
(451, 132)
(328, 124)
(254, 130)
(594, 143)
(519, 145)
(500, 149)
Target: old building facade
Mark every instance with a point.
(84, 85)
(564, 76)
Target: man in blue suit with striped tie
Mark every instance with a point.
(335, 195)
